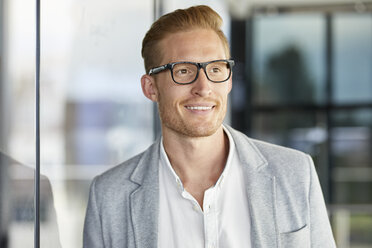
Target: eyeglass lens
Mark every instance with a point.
(184, 73)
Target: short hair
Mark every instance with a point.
(180, 20)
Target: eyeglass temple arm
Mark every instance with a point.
(231, 62)
(158, 69)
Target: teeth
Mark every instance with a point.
(198, 108)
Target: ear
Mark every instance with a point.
(149, 88)
(230, 84)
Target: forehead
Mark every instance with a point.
(198, 45)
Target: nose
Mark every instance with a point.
(202, 86)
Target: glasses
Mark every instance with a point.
(217, 71)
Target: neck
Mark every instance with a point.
(197, 159)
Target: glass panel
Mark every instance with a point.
(352, 58)
(17, 131)
(93, 112)
(288, 60)
(351, 154)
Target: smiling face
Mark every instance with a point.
(197, 109)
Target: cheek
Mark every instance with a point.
(172, 94)
(167, 98)
(224, 92)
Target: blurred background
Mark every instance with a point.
(303, 79)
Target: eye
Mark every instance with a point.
(181, 70)
(215, 69)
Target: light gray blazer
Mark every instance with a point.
(286, 203)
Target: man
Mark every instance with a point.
(203, 184)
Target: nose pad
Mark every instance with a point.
(203, 73)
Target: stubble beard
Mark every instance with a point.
(173, 121)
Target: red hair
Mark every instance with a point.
(180, 20)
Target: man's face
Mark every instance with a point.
(197, 109)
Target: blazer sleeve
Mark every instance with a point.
(321, 232)
(93, 236)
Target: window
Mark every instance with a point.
(93, 113)
(305, 81)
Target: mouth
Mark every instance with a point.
(200, 108)
(203, 108)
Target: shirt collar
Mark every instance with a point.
(164, 161)
(229, 157)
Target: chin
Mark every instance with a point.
(190, 127)
(199, 131)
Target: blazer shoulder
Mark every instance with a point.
(122, 170)
(278, 152)
(284, 161)
(277, 159)
(267, 151)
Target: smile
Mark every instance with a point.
(199, 107)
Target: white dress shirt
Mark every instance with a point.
(225, 221)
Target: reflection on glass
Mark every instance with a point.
(17, 205)
(352, 58)
(288, 59)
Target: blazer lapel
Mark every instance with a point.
(260, 189)
(144, 201)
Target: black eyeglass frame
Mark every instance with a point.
(170, 66)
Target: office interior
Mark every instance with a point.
(303, 79)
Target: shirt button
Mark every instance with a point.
(207, 210)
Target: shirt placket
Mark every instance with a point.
(210, 219)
